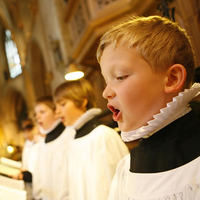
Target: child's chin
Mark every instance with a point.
(124, 128)
(121, 127)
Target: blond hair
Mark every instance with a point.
(160, 42)
(76, 91)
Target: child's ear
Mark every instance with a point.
(176, 76)
(84, 104)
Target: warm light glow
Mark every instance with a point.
(10, 149)
(74, 75)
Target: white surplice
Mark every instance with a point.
(90, 162)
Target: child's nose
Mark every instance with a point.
(57, 111)
(36, 116)
(108, 93)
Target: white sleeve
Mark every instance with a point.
(36, 173)
(118, 183)
(112, 150)
(61, 177)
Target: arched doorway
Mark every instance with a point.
(14, 110)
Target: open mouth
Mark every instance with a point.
(62, 119)
(116, 113)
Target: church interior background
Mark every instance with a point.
(41, 39)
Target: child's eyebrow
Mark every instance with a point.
(60, 101)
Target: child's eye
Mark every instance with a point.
(62, 104)
(121, 78)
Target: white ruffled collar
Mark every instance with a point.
(174, 110)
(29, 143)
(46, 131)
(70, 131)
(85, 117)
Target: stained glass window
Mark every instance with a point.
(12, 55)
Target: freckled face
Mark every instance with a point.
(68, 111)
(134, 92)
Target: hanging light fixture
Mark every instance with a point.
(73, 73)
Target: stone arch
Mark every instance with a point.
(38, 71)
